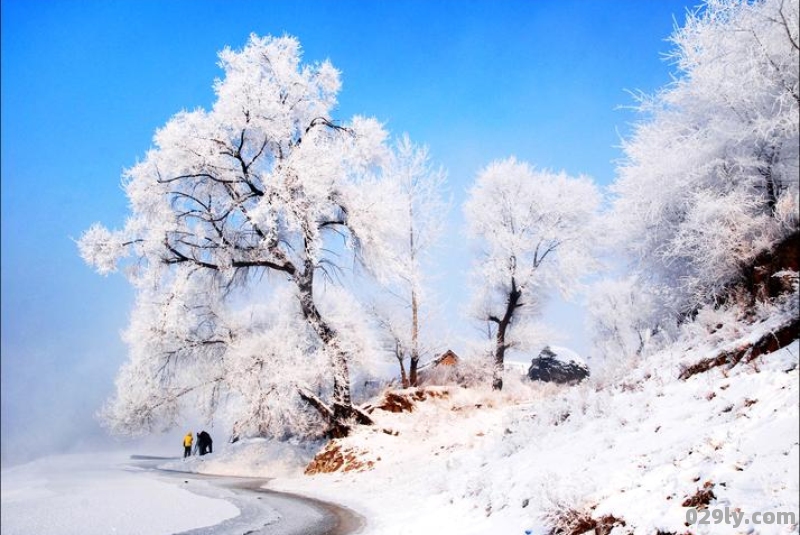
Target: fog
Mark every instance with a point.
(60, 352)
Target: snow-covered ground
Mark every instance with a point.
(125, 494)
(478, 462)
(250, 458)
(102, 494)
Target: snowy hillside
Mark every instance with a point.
(628, 454)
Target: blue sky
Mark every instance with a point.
(86, 83)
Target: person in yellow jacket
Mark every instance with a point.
(187, 444)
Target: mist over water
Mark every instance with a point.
(49, 402)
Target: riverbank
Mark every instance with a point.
(102, 493)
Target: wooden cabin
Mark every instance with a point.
(438, 370)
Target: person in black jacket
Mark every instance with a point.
(204, 443)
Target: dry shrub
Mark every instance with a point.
(335, 458)
(395, 402)
(404, 400)
(568, 521)
(702, 497)
(563, 517)
(572, 521)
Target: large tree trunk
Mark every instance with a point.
(769, 156)
(341, 410)
(337, 427)
(502, 326)
(414, 339)
(398, 351)
(412, 379)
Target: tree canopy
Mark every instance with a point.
(265, 183)
(710, 176)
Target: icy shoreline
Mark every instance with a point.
(99, 494)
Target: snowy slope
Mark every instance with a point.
(481, 463)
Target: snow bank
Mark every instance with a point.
(98, 494)
(249, 458)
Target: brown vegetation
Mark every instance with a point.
(768, 343)
(758, 278)
(575, 522)
(335, 458)
(702, 498)
(404, 400)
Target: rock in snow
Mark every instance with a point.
(557, 367)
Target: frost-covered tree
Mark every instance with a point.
(710, 177)
(419, 186)
(622, 317)
(263, 189)
(533, 231)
